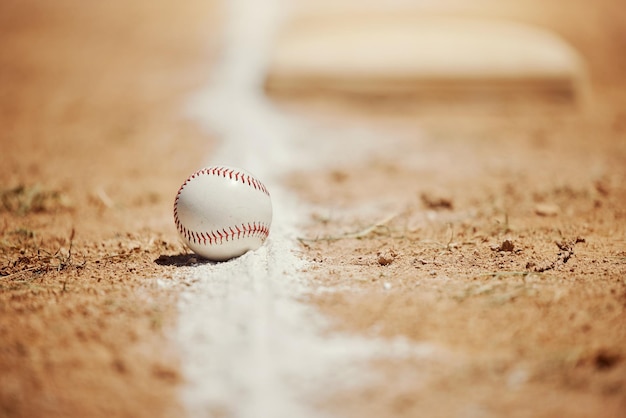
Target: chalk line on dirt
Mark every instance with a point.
(249, 348)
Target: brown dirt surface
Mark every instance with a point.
(501, 240)
(462, 252)
(495, 235)
(93, 150)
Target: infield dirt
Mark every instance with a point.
(497, 234)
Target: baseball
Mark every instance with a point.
(222, 212)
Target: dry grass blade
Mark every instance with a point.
(22, 200)
(362, 233)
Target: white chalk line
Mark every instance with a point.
(249, 347)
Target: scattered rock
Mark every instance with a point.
(547, 209)
(506, 245)
(386, 257)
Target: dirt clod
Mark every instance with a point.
(386, 257)
(437, 199)
(506, 246)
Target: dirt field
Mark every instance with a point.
(495, 234)
(90, 100)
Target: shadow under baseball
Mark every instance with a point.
(181, 260)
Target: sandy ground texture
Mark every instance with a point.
(495, 236)
(93, 149)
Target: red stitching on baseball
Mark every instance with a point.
(225, 173)
(217, 236)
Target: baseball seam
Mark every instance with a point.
(231, 233)
(228, 173)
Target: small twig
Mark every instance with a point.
(104, 198)
(17, 273)
(69, 251)
(107, 257)
(504, 273)
(356, 234)
(449, 243)
(507, 228)
(566, 252)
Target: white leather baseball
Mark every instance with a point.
(222, 212)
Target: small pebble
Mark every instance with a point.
(547, 209)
